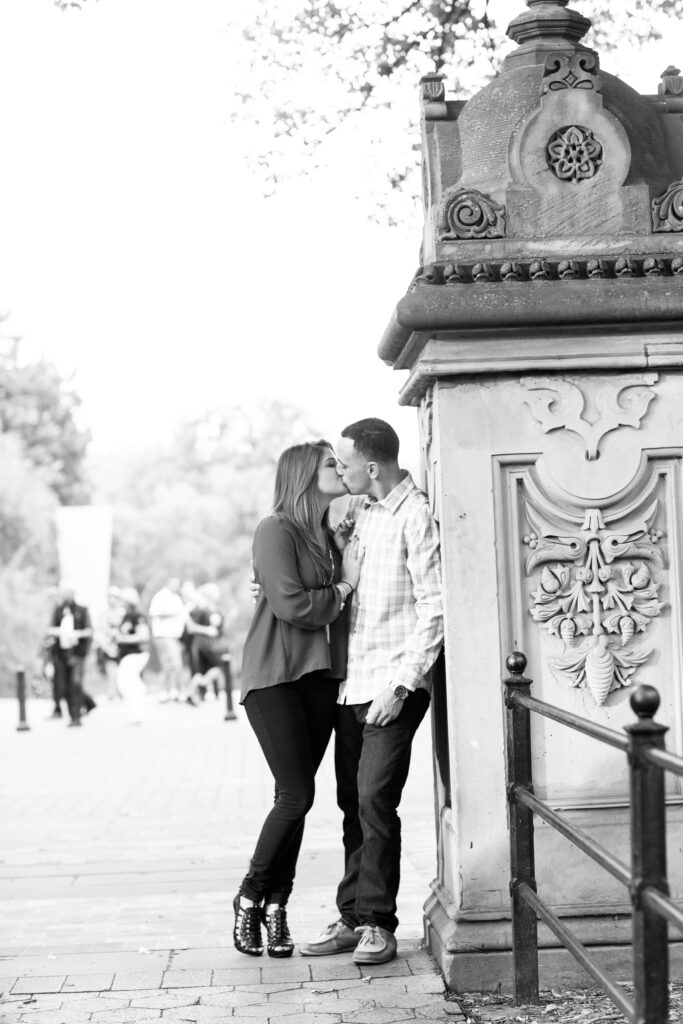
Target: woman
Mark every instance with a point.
(132, 639)
(294, 657)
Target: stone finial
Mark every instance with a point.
(547, 26)
(671, 82)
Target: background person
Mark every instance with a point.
(71, 631)
(132, 640)
(294, 656)
(168, 618)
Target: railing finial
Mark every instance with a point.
(644, 701)
(516, 663)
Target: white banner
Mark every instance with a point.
(84, 535)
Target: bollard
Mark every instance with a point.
(524, 923)
(648, 861)
(21, 697)
(227, 675)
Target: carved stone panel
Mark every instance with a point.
(596, 591)
(560, 404)
(570, 71)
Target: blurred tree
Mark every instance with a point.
(190, 508)
(39, 406)
(312, 66)
(27, 558)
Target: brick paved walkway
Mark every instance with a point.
(122, 848)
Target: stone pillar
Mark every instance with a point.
(544, 339)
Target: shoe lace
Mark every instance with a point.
(369, 934)
(277, 928)
(249, 925)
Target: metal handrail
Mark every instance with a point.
(598, 732)
(579, 952)
(594, 850)
(646, 879)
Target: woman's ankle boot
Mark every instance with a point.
(247, 931)
(279, 940)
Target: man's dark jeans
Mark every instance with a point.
(372, 765)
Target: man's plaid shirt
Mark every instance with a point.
(396, 622)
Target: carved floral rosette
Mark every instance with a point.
(596, 591)
(467, 213)
(574, 154)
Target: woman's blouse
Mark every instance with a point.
(297, 626)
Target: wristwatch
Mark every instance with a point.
(400, 691)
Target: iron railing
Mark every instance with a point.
(645, 879)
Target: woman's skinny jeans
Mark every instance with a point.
(293, 723)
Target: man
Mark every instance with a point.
(71, 634)
(396, 632)
(168, 618)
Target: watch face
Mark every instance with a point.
(401, 692)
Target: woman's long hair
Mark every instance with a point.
(295, 497)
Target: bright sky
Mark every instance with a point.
(136, 252)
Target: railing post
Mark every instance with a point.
(524, 923)
(227, 676)
(648, 861)
(23, 725)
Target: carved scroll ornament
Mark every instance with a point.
(597, 583)
(574, 154)
(468, 213)
(570, 71)
(560, 404)
(667, 210)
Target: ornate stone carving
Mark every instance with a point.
(433, 97)
(573, 153)
(595, 582)
(510, 271)
(482, 273)
(467, 213)
(570, 71)
(559, 405)
(625, 267)
(653, 267)
(453, 274)
(671, 82)
(667, 210)
(540, 270)
(568, 270)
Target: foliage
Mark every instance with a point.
(38, 406)
(190, 508)
(27, 505)
(312, 67)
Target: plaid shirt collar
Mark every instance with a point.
(394, 499)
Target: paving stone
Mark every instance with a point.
(88, 982)
(380, 1016)
(137, 980)
(186, 979)
(422, 964)
(129, 1016)
(249, 976)
(164, 1000)
(234, 998)
(197, 1013)
(426, 983)
(432, 1013)
(394, 969)
(285, 970)
(52, 983)
(310, 1018)
(336, 984)
(412, 1000)
(56, 1017)
(272, 986)
(331, 1004)
(264, 1011)
(334, 971)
